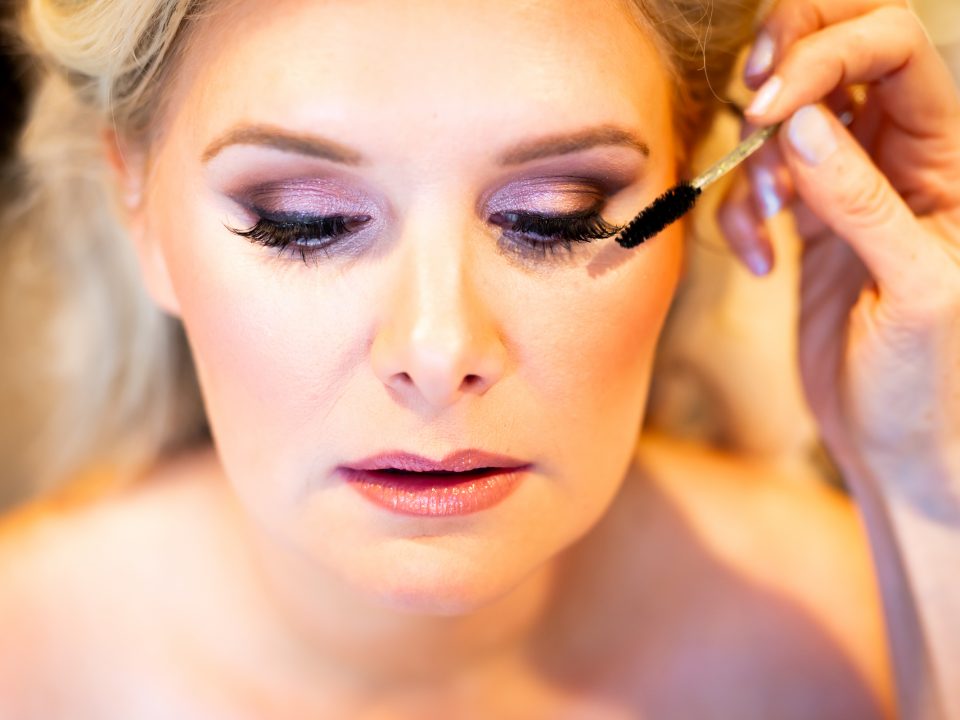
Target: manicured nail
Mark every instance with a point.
(765, 185)
(760, 59)
(757, 262)
(811, 135)
(765, 96)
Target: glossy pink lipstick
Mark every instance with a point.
(463, 482)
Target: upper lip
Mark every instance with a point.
(457, 461)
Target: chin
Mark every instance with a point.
(446, 586)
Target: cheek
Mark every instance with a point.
(582, 348)
(283, 356)
(275, 344)
(601, 337)
(589, 359)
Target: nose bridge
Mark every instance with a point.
(438, 337)
(434, 238)
(437, 304)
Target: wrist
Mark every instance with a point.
(924, 482)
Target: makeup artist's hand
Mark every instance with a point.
(878, 208)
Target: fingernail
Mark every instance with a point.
(765, 96)
(765, 185)
(757, 261)
(811, 135)
(760, 59)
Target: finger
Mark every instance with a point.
(808, 224)
(791, 20)
(743, 229)
(835, 177)
(887, 44)
(770, 181)
(769, 177)
(862, 125)
(832, 279)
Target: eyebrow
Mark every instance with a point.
(327, 149)
(268, 136)
(566, 143)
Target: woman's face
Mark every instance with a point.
(436, 320)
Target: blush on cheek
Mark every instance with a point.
(641, 308)
(633, 319)
(618, 327)
(584, 360)
(273, 346)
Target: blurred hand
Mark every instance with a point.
(878, 209)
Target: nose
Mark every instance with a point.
(437, 339)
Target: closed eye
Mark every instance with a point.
(535, 235)
(526, 234)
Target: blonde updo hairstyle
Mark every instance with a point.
(93, 373)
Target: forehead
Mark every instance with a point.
(429, 69)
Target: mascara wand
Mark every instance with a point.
(678, 200)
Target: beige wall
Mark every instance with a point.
(942, 20)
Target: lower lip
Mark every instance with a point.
(434, 495)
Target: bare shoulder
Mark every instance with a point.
(45, 558)
(80, 575)
(802, 580)
(94, 527)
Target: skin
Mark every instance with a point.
(305, 366)
(878, 209)
(713, 628)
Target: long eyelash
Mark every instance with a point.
(522, 230)
(283, 234)
(557, 231)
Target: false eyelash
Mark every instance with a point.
(283, 234)
(557, 231)
(560, 231)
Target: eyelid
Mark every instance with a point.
(307, 199)
(609, 170)
(311, 195)
(546, 196)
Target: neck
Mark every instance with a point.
(317, 625)
(379, 646)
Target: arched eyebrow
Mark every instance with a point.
(566, 143)
(286, 140)
(327, 149)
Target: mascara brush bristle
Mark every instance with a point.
(667, 208)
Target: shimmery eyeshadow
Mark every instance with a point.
(554, 196)
(314, 196)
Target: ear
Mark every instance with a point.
(127, 166)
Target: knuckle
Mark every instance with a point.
(793, 20)
(733, 221)
(931, 299)
(943, 303)
(809, 16)
(880, 5)
(931, 310)
(867, 200)
(897, 4)
(904, 20)
(818, 60)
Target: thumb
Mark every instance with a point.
(839, 183)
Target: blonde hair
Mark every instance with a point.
(94, 373)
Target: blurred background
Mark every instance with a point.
(748, 324)
(12, 85)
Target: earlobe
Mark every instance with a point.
(127, 169)
(156, 278)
